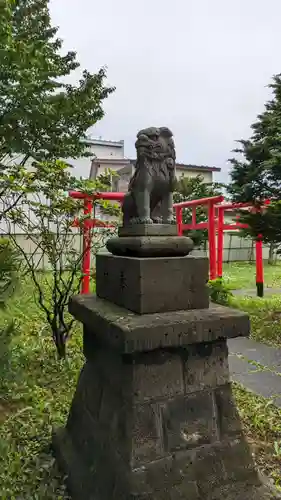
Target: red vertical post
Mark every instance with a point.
(86, 262)
(220, 242)
(212, 240)
(259, 267)
(179, 220)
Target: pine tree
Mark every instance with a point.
(256, 175)
(42, 116)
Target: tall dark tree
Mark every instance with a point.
(41, 115)
(256, 173)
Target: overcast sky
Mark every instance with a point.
(198, 66)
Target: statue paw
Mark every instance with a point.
(141, 220)
(157, 220)
(169, 220)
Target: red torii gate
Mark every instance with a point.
(88, 224)
(221, 227)
(210, 204)
(215, 224)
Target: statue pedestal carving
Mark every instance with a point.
(153, 415)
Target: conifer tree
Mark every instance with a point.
(256, 173)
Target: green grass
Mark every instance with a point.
(262, 425)
(239, 275)
(265, 316)
(265, 313)
(36, 391)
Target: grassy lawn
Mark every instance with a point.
(265, 315)
(240, 275)
(36, 391)
(262, 425)
(35, 394)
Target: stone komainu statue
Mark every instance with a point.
(150, 193)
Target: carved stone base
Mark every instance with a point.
(159, 425)
(150, 246)
(120, 329)
(82, 482)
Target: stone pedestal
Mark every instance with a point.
(150, 285)
(153, 417)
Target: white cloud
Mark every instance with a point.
(199, 66)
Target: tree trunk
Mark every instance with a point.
(271, 254)
(60, 344)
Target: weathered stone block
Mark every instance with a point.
(165, 478)
(119, 329)
(206, 366)
(145, 432)
(157, 375)
(89, 389)
(189, 421)
(163, 475)
(150, 246)
(82, 429)
(169, 478)
(229, 424)
(150, 285)
(238, 462)
(180, 492)
(209, 470)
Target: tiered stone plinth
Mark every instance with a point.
(150, 240)
(151, 285)
(153, 417)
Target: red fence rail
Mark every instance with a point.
(222, 226)
(87, 225)
(215, 227)
(210, 203)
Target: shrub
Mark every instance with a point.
(219, 292)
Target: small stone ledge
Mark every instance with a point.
(150, 246)
(128, 332)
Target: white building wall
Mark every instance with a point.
(108, 150)
(127, 171)
(103, 168)
(104, 150)
(235, 249)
